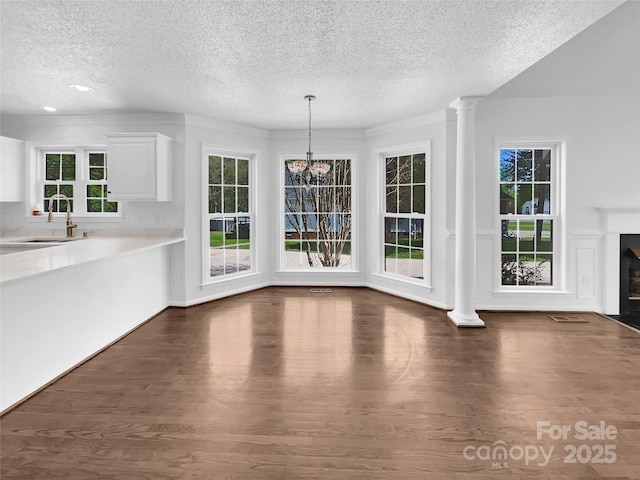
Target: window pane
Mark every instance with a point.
(50, 190)
(243, 199)
(96, 174)
(404, 199)
(509, 269)
(390, 260)
(542, 165)
(417, 226)
(216, 261)
(417, 263)
(392, 200)
(96, 159)
(94, 206)
(111, 207)
(507, 165)
(524, 165)
(403, 231)
(404, 169)
(544, 238)
(215, 169)
(419, 164)
(68, 166)
(524, 200)
(392, 170)
(230, 232)
(507, 198)
(326, 199)
(390, 230)
(545, 269)
(52, 166)
(215, 199)
(243, 172)
(66, 190)
(329, 177)
(94, 191)
(346, 258)
(509, 233)
(292, 199)
(542, 198)
(418, 199)
(526, 232)
(229, 171)
(229, 199)
(343, 199)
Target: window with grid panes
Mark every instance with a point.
(81, 176)
(405, 215)
(528, 216)
(229, 215)
(317, 214)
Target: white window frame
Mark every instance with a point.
(557, 213)
(238, 153)
(353, 159)
(427, 217)
(36, 187)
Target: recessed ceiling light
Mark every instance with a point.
(50, 109)
(82, 88)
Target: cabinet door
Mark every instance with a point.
(11, 170)
(132, 168)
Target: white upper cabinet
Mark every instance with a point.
(139, 166)
(11, 170)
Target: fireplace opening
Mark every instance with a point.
(630, 275)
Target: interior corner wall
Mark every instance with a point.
(201, 132)
(442, 186)
(602, 168)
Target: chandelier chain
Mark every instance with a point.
(309, 125)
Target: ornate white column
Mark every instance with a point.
(464, 313)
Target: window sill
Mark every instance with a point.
(318, 270)
(407, 280)
(227, 278)
(529, 290)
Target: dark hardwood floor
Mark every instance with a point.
(281, 383)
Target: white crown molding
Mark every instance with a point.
(197, 121)
(414, 122)
(319, 133)
(97, 119)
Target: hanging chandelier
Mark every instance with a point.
(316, 168)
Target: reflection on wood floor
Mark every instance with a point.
(353, 384)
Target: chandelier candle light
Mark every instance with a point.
(317, 169)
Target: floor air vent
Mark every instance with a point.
(568, 319)
(320, 290)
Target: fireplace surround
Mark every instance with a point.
(618, 223)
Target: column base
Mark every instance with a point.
(465, 320)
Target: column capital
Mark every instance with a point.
(465, 103)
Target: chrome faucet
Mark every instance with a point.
(70, 224)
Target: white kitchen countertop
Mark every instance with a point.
(37, 261)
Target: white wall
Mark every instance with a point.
(602, 169)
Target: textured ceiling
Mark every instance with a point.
(252, 62)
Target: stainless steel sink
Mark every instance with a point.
(48, 240)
